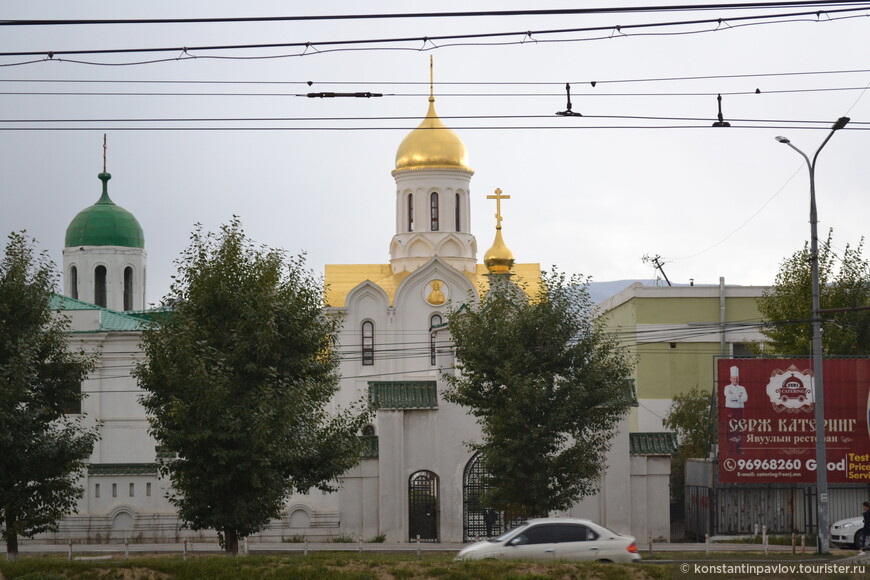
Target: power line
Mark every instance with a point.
(658, 127)
(791, 123)
(465, 14)
(559, 84)
(431, 41)
(417, 95)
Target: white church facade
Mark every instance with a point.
(418, 478)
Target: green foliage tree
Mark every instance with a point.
(691, 418)
(548, 385)
(42, 451)
(238, 377)
(786, 306)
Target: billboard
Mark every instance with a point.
(767, 424)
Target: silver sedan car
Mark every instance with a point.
(555, 539)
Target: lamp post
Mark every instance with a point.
(821, 454)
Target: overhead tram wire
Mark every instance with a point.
(433, 40)
(464, 14)
(558, 84)
(790, 123)
(575, 127)
(417, 95)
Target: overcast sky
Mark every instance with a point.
(590, 194)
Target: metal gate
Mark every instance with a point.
(478, 520)
(423, 506)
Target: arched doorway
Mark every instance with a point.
(423, 506)
(478, 519)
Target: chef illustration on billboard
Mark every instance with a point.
(735, 398)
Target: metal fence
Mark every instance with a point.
(747, 509)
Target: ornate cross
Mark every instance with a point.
(498, 197)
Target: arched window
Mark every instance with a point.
(423, 506)
(368, 430)
(100, 286)
(74, 282)
(433, 209)
(368, 343)
(128, 288)
(410, 212)
(433, 322)
(456, 213)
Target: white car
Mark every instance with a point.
(555, 539)
(847, 533)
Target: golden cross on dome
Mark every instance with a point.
(498, 197)
(104, 152)
(431, 79)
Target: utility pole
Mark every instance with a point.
(659, 265)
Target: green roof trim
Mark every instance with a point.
(122, 469)
(385, 395)
(104, 224)
(662, 443)
(110, 320)
(156, 315)
(164, 452)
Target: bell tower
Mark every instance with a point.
(104, 254)
(433, 207)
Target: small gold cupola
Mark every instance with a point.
(432, 143)
(498, 259)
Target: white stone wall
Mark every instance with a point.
(115, 259)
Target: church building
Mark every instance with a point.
(418, 479)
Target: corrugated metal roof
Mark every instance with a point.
(663, 443)
(403, 394)
(110, 320)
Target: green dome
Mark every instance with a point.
(104, 224)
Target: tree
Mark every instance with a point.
(238, 376)
(844, 282)
(548, 385)
(690, 417)
(42, 451)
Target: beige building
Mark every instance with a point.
(676, 333)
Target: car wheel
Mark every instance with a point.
(857, 543)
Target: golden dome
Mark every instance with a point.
(498, 259)
(432, 144)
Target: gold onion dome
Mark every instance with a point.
(498, 259)
(432, 144)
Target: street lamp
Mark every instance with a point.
(821, 454)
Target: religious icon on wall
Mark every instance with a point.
(436, 292)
